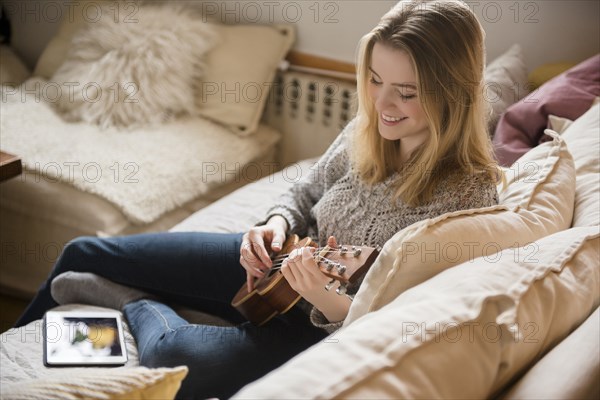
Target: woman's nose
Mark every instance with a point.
(384, 99)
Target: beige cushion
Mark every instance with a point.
(12, 69)
(538, 201)
(558, 124)
(103, 383)
(583, 139)
(506, 83)
(462, 334)
(240, 72)
(549, 379)
(56, 50)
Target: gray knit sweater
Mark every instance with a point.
(331, 200)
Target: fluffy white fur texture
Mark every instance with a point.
(128, 70)
(145, 172)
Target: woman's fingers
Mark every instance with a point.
(251, 268)
(312, 269)
(256, 245)
(332, 242)
(287, 269)
(301, 270)
(249, 281)
(253, 254)
(277, 242)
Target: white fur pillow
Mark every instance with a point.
(130, 70)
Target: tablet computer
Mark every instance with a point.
(83, 338)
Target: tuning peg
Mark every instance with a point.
(329, 265)
(356, 251)
(330, 284)
(341, 289)
(341, 269)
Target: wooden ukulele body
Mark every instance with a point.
(273, 295)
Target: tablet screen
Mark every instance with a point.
(84, 338)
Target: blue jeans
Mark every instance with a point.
(198, 270)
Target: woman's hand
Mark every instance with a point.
(304, 276)
(256, 243)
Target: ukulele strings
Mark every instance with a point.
(316, 256)
(281, 257)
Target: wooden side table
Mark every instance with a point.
(10, 166)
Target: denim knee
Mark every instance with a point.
(164, 351)
(75, 253)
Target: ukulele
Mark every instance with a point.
(272, 294)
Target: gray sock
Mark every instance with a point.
(87, 288)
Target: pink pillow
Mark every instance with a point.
(569, 95)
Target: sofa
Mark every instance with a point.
(500, 302)
(109, 163)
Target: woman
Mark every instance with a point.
(417, 148)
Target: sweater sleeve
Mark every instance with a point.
(320, 321)
(295, 205)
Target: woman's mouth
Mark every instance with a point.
(391, 121)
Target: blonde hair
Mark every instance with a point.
(445, 43)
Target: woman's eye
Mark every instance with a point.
(407, 97)
(374, 82)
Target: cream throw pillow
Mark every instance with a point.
(549, 379)
(463, 334)
(126, 72)
(538, 201)
(558, 124)
(102, 383)
(56, 50)
(583, 139)
(13, 71)
(240, 73)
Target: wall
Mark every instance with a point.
(548, 30)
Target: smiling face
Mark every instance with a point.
(393, 90)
